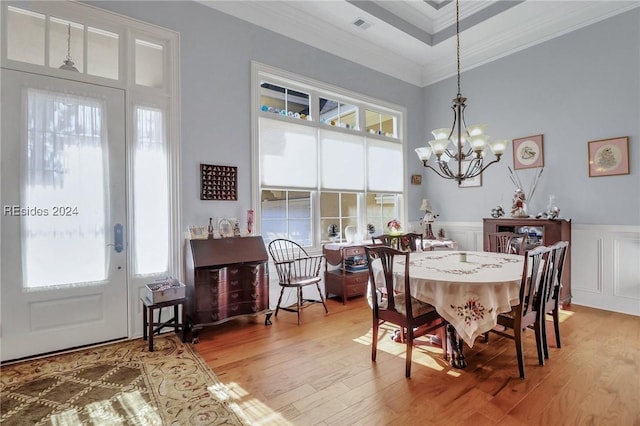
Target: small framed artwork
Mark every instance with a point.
(218, 182)
(416, 179)
(198, 233)
(609, 157)
(528, 153)
(472, 182)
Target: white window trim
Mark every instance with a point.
(260, 71)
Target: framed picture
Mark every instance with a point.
(198, 233)
(469, 183)
(416, 179)
(528, 153)
(218, 182)
(225, 226)
(609, 157)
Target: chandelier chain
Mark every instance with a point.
(468, 162)
(458, 42)
(69, 42)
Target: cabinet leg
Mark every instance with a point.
(267, 319)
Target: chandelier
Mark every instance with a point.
(68, 63)
(468, 143)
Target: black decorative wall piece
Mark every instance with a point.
(218, 182)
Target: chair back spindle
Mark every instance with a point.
(507, 242)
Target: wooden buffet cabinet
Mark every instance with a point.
(541, 232)
(225, 278)
(339, 280)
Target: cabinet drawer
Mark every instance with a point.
(359, 278)
(357, 289)
(353, 251)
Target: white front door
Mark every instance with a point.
(63, 247)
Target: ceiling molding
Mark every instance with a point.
(414, 42)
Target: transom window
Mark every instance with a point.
(326, 159)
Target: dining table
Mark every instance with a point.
(467, 288)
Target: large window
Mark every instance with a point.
(326, 159)
(286, 214)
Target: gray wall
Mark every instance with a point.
(579, 87)
(216, 55)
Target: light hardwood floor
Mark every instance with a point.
(320, 373)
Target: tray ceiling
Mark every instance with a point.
(415, 40)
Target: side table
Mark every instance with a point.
(150, 327)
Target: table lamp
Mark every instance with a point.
(428, 219)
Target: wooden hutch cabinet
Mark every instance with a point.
(346, 271)
(540, 232)
(225, 278)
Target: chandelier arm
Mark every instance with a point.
(470, 168)
(487, 165)
(436, 171)
(444, 167)
(450, 153)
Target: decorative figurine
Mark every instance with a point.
(332, 232)
(236, 229)
(428, 219)
(497, 212)
(371, 230)
(210, 228)
(552, 212)
(249, 222)
(518, 208)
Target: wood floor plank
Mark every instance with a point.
(321, 373)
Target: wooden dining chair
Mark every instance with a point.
(296, 269)
(383, 239)
(411, 241)
(525, 314)
(507, 242)
(402, 309)
(403, 242)
(551, 293)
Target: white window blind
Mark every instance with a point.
(342, 161)
(288, 154)
(384, 166)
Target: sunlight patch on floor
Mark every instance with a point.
(138, 412)
(564, 315)
(252, 410)
(423, 352)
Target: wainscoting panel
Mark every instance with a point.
(605, 262)
(626, 266)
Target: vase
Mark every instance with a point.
(350, 233)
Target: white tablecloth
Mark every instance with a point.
(470, 294)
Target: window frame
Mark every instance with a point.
(316, 89)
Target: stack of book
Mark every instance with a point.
(355, 263)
